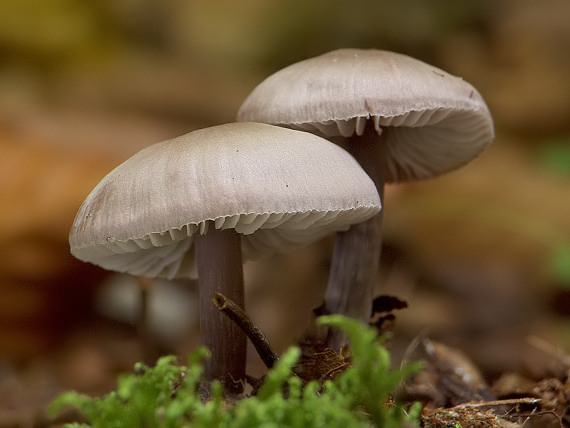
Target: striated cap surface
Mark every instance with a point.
(430, 121)
(278, 187)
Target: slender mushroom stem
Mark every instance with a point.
(149, 352)
(219, 263)
(356, 253)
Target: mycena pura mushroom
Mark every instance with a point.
(222, 193)
(401, 118)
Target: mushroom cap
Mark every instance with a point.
(430, 121)
(280, 188)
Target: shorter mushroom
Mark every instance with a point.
(218, 193)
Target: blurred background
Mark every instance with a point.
(481, 255)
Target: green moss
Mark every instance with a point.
(167, 395)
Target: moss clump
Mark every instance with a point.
(167, 395)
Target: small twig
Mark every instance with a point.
(412, 347)
(506, 402)
(242, 320)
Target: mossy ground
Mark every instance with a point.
(168, 395)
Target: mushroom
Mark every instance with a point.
(401, 118)
(219, 193)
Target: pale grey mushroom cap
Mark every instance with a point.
(279, 188)
(430, 121)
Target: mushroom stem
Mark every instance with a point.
(149, 353)
(219, 263)
(356, 253)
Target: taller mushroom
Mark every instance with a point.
(401, 118)
(217, 193)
